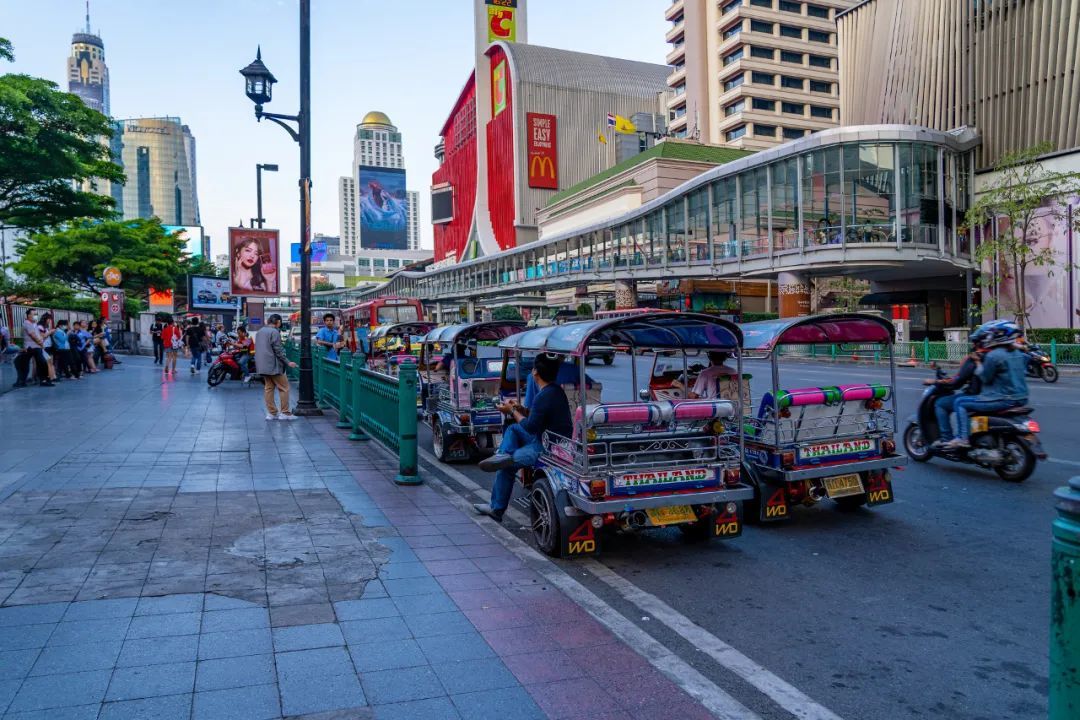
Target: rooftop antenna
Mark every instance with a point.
(88, 32)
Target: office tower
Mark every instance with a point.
(158, 157)
(88, 76)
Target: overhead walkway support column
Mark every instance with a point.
(794, 294)
(625, 294)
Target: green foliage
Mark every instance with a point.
(321, 285)
(1045, 335)
(6, 51)
(584, 310)
(609, 305)
(1020, 199)
(48, 139)
(506, 312)
(198, 265)
(755, 316)
(76, 256)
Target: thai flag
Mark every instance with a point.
(611, 120)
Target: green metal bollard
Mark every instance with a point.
(406, 426)
(926, 350)
(318, 360)
(345, 408)
(832, 352)
(357, 370)
(1065, 605)
(1053, 350)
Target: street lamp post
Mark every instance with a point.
(258, 86)
(259, 167)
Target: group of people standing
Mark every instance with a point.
(55, 349)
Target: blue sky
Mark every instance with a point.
(408, 59)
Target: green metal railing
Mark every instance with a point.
(1065, 605)
(922, 351)
(368, 404)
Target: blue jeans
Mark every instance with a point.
(973, 404)
(243, 361)
(943, 408)
(526, 451)
(196, 359)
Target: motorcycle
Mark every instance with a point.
(1039, 365)
(226, 367)
(1005, 441)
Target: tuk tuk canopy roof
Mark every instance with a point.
(661, 331)
(490, 330)
(402, 329)
(765, 335)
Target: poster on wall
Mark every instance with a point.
(383, 208)
(253, 262)
(543, 151)
(211, 293)
(502, 23)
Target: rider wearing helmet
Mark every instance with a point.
(965, 382)
(1002, 374)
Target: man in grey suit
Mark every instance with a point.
(270, 362)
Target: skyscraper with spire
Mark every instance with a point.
(88, 76)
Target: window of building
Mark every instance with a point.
(676, 20)
(791, 31)
(733, 57)
(791, 57)
(763, 104)
(733, 30)
(764, 130)
(380, 263)
(793, 108)
(681, 133)
(681, 64)
(787, 81)
(393, 263)
(731, 84)
(728, 7)
(820, 61)
(821, 112)
(761, 78)
(735, 108)
(736, 133)
(762, 52)
(817, 36)
(792, 7)
(762, 3)
(363, 262)
(820, 86)
(793, 133)
(761, 26)
(817, 11)
(680, 88)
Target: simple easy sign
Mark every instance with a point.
(543, 151)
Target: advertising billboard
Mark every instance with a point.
(498, 88)
(543, 151)
(383, 209)
(318, 252)
(502, 24)
(211, 293)
(192, 236)
(253, 262)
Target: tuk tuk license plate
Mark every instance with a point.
(671, 515)
(842, 485)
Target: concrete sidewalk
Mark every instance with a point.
(167, 553)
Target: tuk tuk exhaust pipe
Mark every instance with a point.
(638, 519)
(817, 493)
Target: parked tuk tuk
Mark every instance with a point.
(635, 463)
(390, 345)
(834, 442)
(461, 371)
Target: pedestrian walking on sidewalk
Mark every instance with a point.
(270, 362)
(172, 339)
(195, 339)
(156, 330)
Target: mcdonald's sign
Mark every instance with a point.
(543, 151)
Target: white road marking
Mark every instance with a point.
(1073, 463)
(775, 688)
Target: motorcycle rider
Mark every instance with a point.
(1002, 372)
(243, 346)
(965, 382)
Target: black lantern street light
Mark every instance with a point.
(258, 86)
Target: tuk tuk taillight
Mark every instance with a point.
(873, 404)
(787, 459)
(888, 446)
(597, 488)
(464, 418)
(732, 476)
(718, 427)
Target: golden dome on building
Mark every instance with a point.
(376, 118)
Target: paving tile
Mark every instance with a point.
(75, 658)
(16, 664)
(225, 673)
(8, 688)
(376, 629)
(53, 691)
(451, 567)
(580, 634)
(611, 662)
(498, 704)
(81, 712)
(466, 581)
(170, 604)
(305, 637)
(244, 619)
(543, 667)
(397, 571)
(497, 618)
(449, 623)
(132, 683)
(256, 702)
(481, 598)
(101, 609)
(322, 693)
(171, 707)
(411, 586)
(374, 589)
(440, 708)
(224, 602)
(424, 604)
(152, 651)
(90, 631)
(32, 614)
(518, 640)
(473, 675)
(401, 684)
(578, 697)
(235, 643)
(303, 664)
(148, 626)
(452, 648)
(387, 655)
(366, 609)
(304, 614)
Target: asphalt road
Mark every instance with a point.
(934, 606)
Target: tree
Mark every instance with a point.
(321, 285)
(585, 310)
(51, 146)
(76, 256)
(1022, 199)
(505, 312)
(199, 265)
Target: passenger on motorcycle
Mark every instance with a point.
(1002, 374)
(964, 383)
(242, 347)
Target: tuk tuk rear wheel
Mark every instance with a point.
(438, 440)
(544, 518)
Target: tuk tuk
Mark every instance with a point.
(835, 442)
(390, 345)
(635, 463)
(461, 370)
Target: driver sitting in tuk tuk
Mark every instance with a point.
(707, 385)
(522, 441)
(568, 375)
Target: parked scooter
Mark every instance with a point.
(1005, 441)
(1039, 365)
(226, 367)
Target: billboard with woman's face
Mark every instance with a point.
(253, 262)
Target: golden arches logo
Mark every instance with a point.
(544, 164)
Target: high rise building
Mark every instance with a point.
(158, 157)
(377, 183)
(752, 73)
(88, 76)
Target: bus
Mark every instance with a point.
(358, 320)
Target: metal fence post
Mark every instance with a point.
(345, 407)
(1053, 350)
(357, 372)
(1065, 605)
(926, 350)
(406, 426)
(318, 353)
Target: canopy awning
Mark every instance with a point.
(490, 330)
(402, 329)
(765, 335)
(660, 331)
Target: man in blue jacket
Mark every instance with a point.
(1002, 374)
